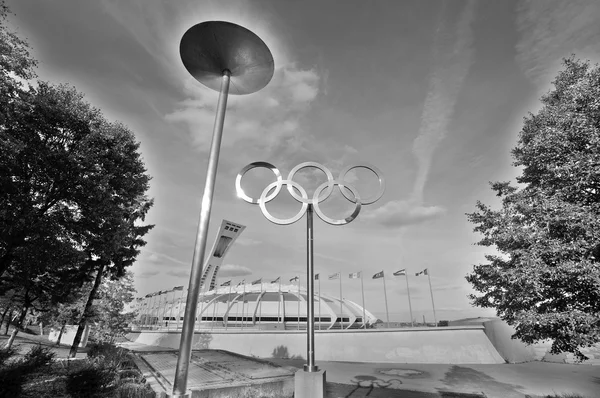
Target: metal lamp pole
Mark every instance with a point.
(309, 206)
(216, 54)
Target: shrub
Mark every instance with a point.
(11, 381)
(6, 353)
(94, 381)
(37, 357)
(135, 390)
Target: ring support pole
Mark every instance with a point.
(187, 332)
(310, 332)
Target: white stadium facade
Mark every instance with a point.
(264, 305)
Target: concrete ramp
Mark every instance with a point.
(215, 374)
(448, 345)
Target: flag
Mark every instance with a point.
(424, 272)
(241, 283)
(334, 276)
(378, 275)
(276, 280)
(228, 283)
(317, 277)
(354, 275)
(400, 273)
(256, 282)
(149, 295)
(294, 279)
(178, 288)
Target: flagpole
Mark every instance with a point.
(412, 323)
(320, 313)
(143, 310)
(243, 304)
(171, 312)
(237, 307)
(260, 305)
(152, 309)
(341, 305)
(148, 310)
(228, 305)
(298, 281)
(164, 309)
(202, 295)
(362, 289)
(387, 314)
(179, 308)
(158, 308)
(432, 303)
(214, 303)
(279, 303)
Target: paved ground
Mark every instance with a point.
(503, 381)
(214, 369)
(24, 342)
(534, 379)
(353, 380)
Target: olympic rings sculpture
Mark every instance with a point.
(273, 189)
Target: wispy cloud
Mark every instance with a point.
(247, 241)
(453, 56)
(234, 270)
(156, 257)
(179, 273)
(146, 274)
(553, 29)
(400, 213)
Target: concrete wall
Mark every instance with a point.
(456, 345)
(516, 351)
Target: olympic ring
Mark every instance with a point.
(273, 189)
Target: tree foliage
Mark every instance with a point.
(72, 187)
(546, 278)
(110, 319)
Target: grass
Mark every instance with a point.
(35, 369)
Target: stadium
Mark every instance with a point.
(261, 306)
(264, 306)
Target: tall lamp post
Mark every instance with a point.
(309, 206)
(229, 59)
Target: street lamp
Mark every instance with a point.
(230, 59)
(308, 205)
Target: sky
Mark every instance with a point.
(433, 93)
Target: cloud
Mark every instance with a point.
(264, 120)
(398, 213)
(179, 273)
(146, 274)
(453, 56)
(234, 270)
(553, 29)
(248, 241)
(156, 257)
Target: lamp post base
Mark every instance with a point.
(188, 394)
(309, 384)
(313, 368)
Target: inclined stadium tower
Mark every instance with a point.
(268, 305)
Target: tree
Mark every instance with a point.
(545, 280)
(68, 178)
(110, 320)
(15, 61)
